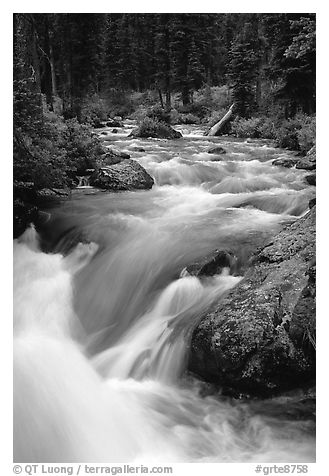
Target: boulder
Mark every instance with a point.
(311, 179)
(138, 149)
(214, 263)
(285, 162)
(309, 161)
(259, 339)
(114, 123)
(156, 129)
(24, 214)
(312, 203)
(114, 131)
(217, 150)
(124, 175)
(113, 156)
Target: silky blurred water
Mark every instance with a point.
(103, 314)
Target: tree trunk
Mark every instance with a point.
(185, 96)
(52, 68)
(161, 99)
(219, 125)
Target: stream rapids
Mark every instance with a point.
(103, 312)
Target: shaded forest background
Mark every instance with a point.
(73, 71)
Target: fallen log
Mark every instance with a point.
(219, 125)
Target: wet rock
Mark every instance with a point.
(285, 162)
(312, 203)
(311, 179)
(138, 149)
(217, 150)
(28, 199)
(124, 175)
(97, 124)
(158, 130)
(113, 156)
(260, 338)
(213, 263)
(309, 161)
(305, 164)
(24, 214)
(114, 123)
(46, 194)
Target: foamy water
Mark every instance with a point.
(102, 323)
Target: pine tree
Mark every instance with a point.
(243, 67)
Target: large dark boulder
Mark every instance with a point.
(114, 123)
(287, 162)
(27, 201)
(259, 339)
(217, 150)
(113, 156)
(309, 161)
(311, 179)
(213, 264)
(155, 129)
(124, 175)
(24, 214)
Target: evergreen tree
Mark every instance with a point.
(243, 66)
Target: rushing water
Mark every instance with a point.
(102, 321)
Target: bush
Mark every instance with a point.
(157, 113)
(267, 128)
(215, 116)
(307, 133)
(246, 127)
(188, 118)
(50, 155)
(94, 110)
(82, 148)
(297, 133)
(154, 128)
(119, 103)
(195, 109)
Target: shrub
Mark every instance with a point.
(246, 127)
(196, 109)
(267, 128)
(49, 156)
(93, 110)
(307, 133)
(157, 113)
(188, 119)
(119, 103)
(82, 148)
(297, 133)
(154, 128)
(215, 116)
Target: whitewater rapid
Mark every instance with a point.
(103, 314)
